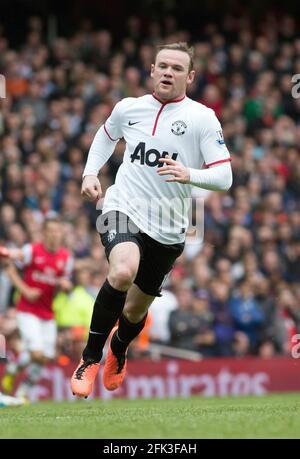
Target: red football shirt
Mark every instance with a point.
(42, 270)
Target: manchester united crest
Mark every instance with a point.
(178, 127)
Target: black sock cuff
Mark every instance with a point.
(126, 332)
(113, 291)
(110, 299)
(131, 324)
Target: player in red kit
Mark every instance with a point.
(47, 266)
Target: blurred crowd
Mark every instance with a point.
(237, 291)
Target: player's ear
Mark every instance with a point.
(152, 70)
(190, 77)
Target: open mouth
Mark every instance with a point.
(166, 82)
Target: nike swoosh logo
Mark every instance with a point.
(95, 333)
(131, 124)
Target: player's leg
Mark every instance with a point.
(43, 350)
(40, 358)
(131, 323)
(123, 266)
(33, 374)
(123, 254)
(49, 329)
(11, 371)
(25, 324)
(8, 400)
(32, 337)
(109, 304)
(158, 259)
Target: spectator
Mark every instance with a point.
(246, 312)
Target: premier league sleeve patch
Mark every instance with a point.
(220, 138)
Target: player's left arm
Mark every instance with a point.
(14, 254)
(32, 294)
(64, 282)
(218, 175)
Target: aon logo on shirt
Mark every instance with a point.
(149, 157)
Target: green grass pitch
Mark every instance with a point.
(270, 416)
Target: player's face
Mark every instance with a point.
(53, 235)
(171, 74)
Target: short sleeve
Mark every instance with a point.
(212, 144)
(113, 124)
(69, 267)
(27, 250)
(27, 254)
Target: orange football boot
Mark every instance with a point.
(114, 369)
(83, 377)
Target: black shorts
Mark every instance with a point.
(156, 260)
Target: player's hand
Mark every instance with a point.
(32, 294)
(181, 174)
(91, 188)
(65, 284)
(5, 257)
(4, 252)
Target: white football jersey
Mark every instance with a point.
(185, 130)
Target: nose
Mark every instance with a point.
(168, 72)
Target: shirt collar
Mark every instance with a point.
(179, 99)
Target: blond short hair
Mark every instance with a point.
(179, 46)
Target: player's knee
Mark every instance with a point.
(134, 315)
(122, 277)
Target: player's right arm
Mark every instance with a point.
(91, 188)
(23, 254)
(101, 150)
(14, 254)
(30, 293)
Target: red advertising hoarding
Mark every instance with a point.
(178, 378)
